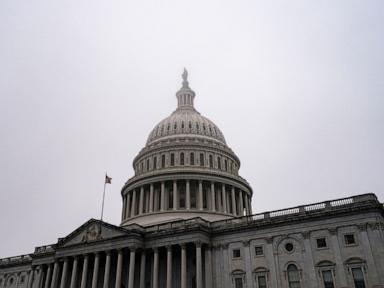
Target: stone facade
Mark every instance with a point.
(187, 222)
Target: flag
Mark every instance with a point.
(108, 180)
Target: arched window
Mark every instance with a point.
(201, 159)
(162, 161)
(147, 164)
(172, 159)
(155, 162)
(210, 161)
(293, 276)
(181, 158)
(219, 162)
(192, 159)
(225, 165)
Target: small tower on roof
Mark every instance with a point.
(185, 95)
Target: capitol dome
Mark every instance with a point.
(185, 170)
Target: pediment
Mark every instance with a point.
(92, 231)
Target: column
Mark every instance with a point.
(169, 266)
(199, 271)
(30, 277)
(248, 262)
(368, 254)
(131, 276)
(85, 272)
(119, 268)
(270, 259)
(95, 275)
(208, 267)
(124, 207)
(246, 205)
(250, 205)
(183, 266)
(233, 201)
(308, 260)
(342, 280)
(74, 272)
(175, 198)
(155, 268)
(162, 196)
(141, 200)
(200, 196)
(187, 196)
(142, 269)
(224, 198)
(55, 272)
(49, 275)
(213, 201)
(107, 269)
(128, 206)
(133, 202)
(241, 203)
(64, 274)
(151, 198)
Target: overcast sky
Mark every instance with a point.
(296, 87)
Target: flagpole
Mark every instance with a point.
(102, 205)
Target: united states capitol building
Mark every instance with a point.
(187, 222)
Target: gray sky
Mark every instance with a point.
(296, 86)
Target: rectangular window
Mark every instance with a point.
(192, 159)
(328, 279)
(358, 277)
(155, 162)
(172, 159)
(236, 253)
(321, 243)
(238, 283)
(261, 281)
(259, 250)
(349, 239)
(162, 161)
(201, 159)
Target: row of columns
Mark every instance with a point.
(140, 201)
(52, 275)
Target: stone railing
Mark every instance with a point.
(16, 259)
(44, 249)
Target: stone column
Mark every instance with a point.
(199, 270)
(248, 262)
(250, 205)
(175, 198)
(241, 203)
(368, 255)
(131, 276)
(49, 276)
(183, 266)
(270, 259)
(134, 198)
(55, 274)
(119, 268)
(208, 267)
(169, 267)
(142, 269)
(128, 206)
(213, 198)
(246, 204)
(155, 268)
(95, 275)
(64, 274)
(342, 280)
(74, 272)
(233, 201)
(308, 260)
(187, 195)
(124, 207)
(151, 198)
(30, 278)
(107, 269)
(85, 272)
(200, 202)
(141, 200)
(224, 198)
(162, 196)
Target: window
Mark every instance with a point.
(22, 279)
(225, 165)
(142, 166)
(327, 279)
(219, 163)
(293, 276)
(289, 247)
(259, 250)
(321, 243)
(261, 281)
(181, 158)
(358, 277)
(239, 282)
(192, 159)
(162, 161)
(172, 159)
(201, 159)
(236, 253)
(155, 162)
(210, 161)
(349, 239)
(147, 164)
